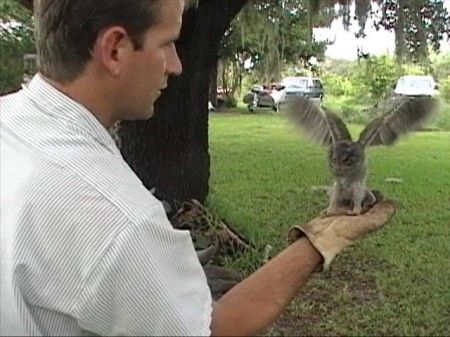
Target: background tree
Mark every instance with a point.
(417, 24)
(170, 151)
(16, 40)
(274, 35)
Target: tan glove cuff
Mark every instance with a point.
(327, 247)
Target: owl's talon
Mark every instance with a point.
(327, 213)
(333, 212)
(354, 211)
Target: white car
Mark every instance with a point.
(416, 85)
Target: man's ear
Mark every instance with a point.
(112, 47)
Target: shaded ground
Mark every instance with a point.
(346, 285)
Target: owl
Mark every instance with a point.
(346, 157)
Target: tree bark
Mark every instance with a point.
(169, 152)
(422, 50)
(213, 85)
(400, 42)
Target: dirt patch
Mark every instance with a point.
(346, 285)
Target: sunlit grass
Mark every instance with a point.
(262, 171)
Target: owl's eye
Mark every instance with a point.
(333, 161)
(347, 161)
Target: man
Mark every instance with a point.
(85, 248)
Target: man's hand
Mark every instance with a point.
(332, 234)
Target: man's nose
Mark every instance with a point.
(174, 66)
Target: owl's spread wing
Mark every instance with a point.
(322, 127)
(400, 117)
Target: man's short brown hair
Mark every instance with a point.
(66, 30)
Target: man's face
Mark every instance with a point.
(145, 71)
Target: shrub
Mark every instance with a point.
(445, 89)
(230, 101)
(337, 85)
(441, 66)
(442, 121)
(412, 69)
(376, 75)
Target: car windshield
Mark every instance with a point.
(415, 83)
(295, 82)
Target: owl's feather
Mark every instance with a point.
(323, 127)
(405, 116)
(400, 116)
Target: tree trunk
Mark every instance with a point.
(169, 152)
(422, 34)
(400, 42)
(310, 15)
(213, 84)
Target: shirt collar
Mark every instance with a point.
(54, 102)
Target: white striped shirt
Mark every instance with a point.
(86, 249)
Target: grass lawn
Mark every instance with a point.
(396, 282)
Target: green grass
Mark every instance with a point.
(396, 282)
(347, 102)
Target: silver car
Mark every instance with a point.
(302, 86)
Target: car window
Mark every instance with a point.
(295, 82)
(317, 84)
(415, 83)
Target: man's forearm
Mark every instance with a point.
(252, 305)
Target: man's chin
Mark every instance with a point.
(145, 115)
(150, 113)
(139, 115)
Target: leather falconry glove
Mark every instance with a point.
(330, 235)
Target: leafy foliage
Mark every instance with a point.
(272, 34)
(338, 85)
(440, 65)
(371, 77)
(445, 89)
(417, 23)
(16, 39)
(377, 75)
(353, 87)
(374, 76)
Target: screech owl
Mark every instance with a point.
(346, 158)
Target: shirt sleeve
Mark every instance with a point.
(148, 282)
